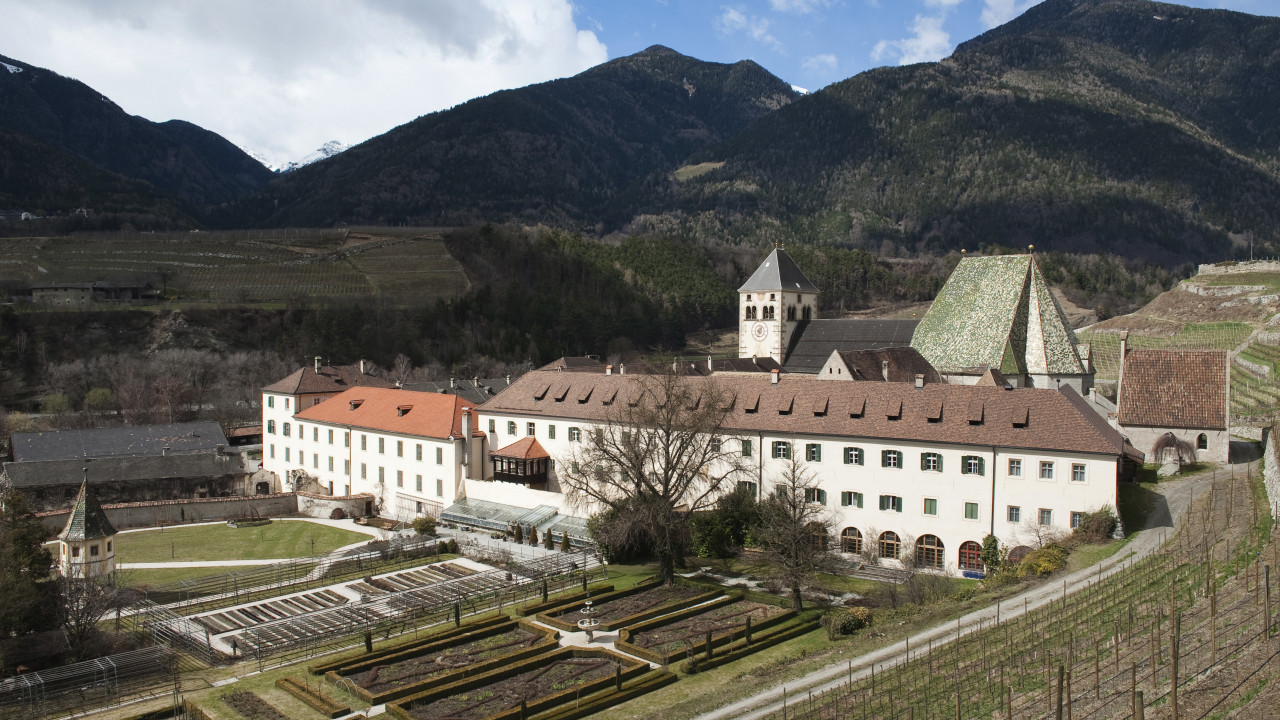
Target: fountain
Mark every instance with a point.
(589, 621)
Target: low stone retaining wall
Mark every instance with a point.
(178, 512)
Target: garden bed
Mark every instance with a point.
(627, 607)
(441, 662)
(685, 633)
(523, 688)
(250, 706)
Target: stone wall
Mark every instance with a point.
(1271, 468)
(1240, 267)
(1144, 438)
(177, 512)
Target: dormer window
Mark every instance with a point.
(356, 404)
(403, 410)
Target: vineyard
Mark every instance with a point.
(244, 266)
(1180, 634)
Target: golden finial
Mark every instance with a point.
(1031, 249)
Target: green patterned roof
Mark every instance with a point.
(998, 312)
(87, 520)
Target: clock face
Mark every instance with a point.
(759, 331)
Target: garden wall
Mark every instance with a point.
(177, 512)
(1271, 468)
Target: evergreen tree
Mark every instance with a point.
(27, 590)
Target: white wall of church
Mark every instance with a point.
(767, 320)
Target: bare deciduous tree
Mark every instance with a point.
(795, 529)
(658, 455)
(85, 602)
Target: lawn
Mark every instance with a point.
(280, 539)
(149, 577)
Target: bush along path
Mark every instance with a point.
(1091, 642)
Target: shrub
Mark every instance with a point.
(425, 525)
(549, 541)
(848, 622)
(533, 535)
(451, 546)
(991, 553)
(1097, 526)
(564, 542)
(1045, 561)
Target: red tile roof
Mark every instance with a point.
(969, 415)
(393, 410)
(523, 449)
(306, 380)
(1174, 389)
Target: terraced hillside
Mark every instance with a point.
(1231, 306)
(255, 266)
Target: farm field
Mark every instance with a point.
(245, 266)
(670, 639)
(1191, 336)
(280, 539)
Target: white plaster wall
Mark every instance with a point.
(1144, 438)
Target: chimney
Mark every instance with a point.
(466, 434)
(884, 370)
(164, 450)
(508, 378)
(622, 368)
(608, 369)
(476, 381)
(919, 381)
(317, 364)
(1124, 349)
(453, 383)
(773, 376)
(362, 367)
(754, 361)
(709, 365)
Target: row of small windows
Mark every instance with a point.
(346, 441)
(346, 468)
(769, 312)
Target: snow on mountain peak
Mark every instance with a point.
(328, 150)
(799, 89)
(11, 68)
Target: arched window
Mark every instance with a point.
(1202, 442)
(751, 312)
(1018, 554)
(889, 544)
(971, 556)
(791, 312)
(929, 552)
(807, 313)
(851, 540)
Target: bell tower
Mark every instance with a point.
(772, 304)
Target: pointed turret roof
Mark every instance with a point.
(778, 272)
(87, 520)
(998, 312)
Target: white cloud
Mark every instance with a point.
(285, 76)
(942, 3)
(799, 6)
(733, 20)
(826, 62)
(999, 12)
(929, 42)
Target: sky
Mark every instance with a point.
(282, 77)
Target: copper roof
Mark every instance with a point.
(526, 448)
(1030, 418)
(1174, 389)
(87, 521)
(330, 379)
(392, 410)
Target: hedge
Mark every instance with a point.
(740, 649)
(401, 709)
(326, 706)
(598, 702)
(624, 643)
(467, 627)
(548, 642)
(563, 600)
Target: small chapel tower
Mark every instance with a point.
(773, 302)
(86, 546)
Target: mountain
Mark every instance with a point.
(76, 138)
(561, 151)
(324, 152)
(1128, 126)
